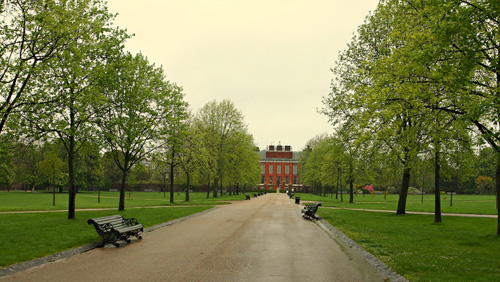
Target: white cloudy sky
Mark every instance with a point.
(272, 58)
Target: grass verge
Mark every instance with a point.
(459, 249)
(27, 201)
(471, 204)
(26, 236)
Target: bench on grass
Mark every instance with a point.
(115, 228)
(309, 211)
(247, 197)
(290, 195)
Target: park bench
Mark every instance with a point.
(115, 228)
(247, 197)
(254, 195)
(290, 195)
(309, 211)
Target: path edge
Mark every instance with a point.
(22, 266)
(380, 266)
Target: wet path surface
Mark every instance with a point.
(264, 239)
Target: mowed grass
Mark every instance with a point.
(458, 249)
(26, 236)
(27, 201)
(467, 204)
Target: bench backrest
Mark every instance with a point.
(113, 219)
(108, 223)
(315, 206)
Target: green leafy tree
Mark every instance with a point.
(7, 172)
(65, 97)
(193, 156)
(368, 99)
(52, 171)
(141, 105)
(31, 33)
(219, 124)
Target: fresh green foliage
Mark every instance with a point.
(230, 154)
(419, 77)
(420, 250)
(143, 106)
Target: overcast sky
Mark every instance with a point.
(272, 58)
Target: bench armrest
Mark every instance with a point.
(130, 221)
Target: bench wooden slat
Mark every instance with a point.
(309, 211)
(114, 228)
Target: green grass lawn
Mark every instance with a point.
(26, 236)
(458, 249)
(470, 204)
(23, 201)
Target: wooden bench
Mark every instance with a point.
(309, 211)
(115, 228)
(247, 197)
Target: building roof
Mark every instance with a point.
(279, 153)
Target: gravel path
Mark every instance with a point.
(264, 239)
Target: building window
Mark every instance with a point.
(278, 169)
(287, 169)
(278, 180)
(262, 169)
(270, 180)
(270, 169)
(287, 180)
(294, 169)
(262, 179)
(294, 180)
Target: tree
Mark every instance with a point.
(371, 97)
(7, 173)
(193, 156)
(231, 156)
(51, 171)
(140, 106)
(461, 58)
(219, 124)
(32, 33)
(25, 158)
(485, 185)
(63, 99)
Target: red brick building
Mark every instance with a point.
(279, 168)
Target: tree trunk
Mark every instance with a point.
(71, 172)
(121, 205)
(221, 187)
(497, 176)
(216, 186)
(404, 192)
(208, 188)
(351, 191)
(172, 177)
(437, 195)
(187, 187)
